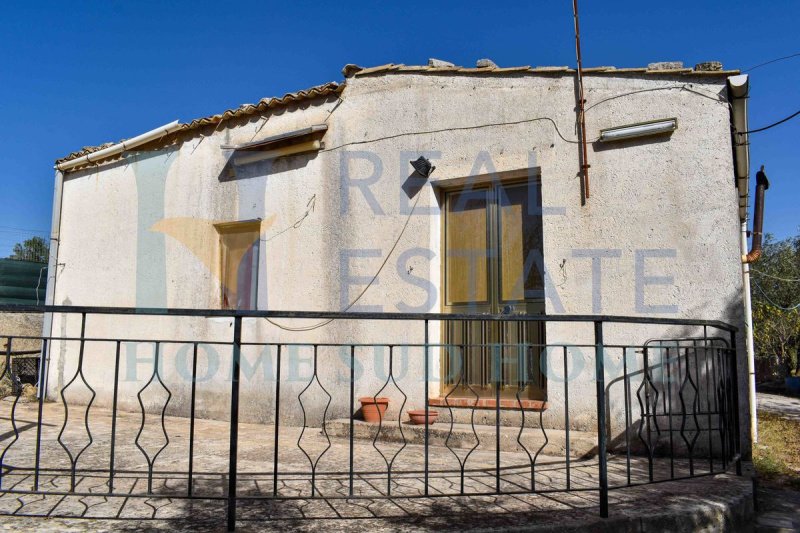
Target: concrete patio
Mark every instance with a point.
(716, 500)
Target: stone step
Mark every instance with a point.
(582, 444)
(486, 417)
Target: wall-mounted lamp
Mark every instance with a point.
(643, 129)
(423, 166)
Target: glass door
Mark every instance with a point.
(493, 265)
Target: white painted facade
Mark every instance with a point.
(138, 231)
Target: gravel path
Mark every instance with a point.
(786, 406)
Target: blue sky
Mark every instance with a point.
(83, 73)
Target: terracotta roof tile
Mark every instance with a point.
(241, 111)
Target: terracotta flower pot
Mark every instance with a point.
(417, 416)
(373, 409)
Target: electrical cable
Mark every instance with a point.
(771, 61)
(685, 87)
(460, 128)
(39, 283)
(773, 304)
(775, 277)
(371, 281)
(297, 223)
(8, 229)
(790, 117)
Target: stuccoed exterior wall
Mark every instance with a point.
(138, 232)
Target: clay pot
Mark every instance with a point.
(417, 416)
(373, 409)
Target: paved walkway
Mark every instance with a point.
(778, 510)
(313, 481)
(786, 406)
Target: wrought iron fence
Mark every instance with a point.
(653, 410)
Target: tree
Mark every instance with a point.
(776, 302)
(33, 249)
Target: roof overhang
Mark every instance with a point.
(118, 148)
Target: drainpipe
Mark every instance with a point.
(52, 276)
(738, 90)
(762, 184)
(748, 337)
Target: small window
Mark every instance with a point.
(239, 251)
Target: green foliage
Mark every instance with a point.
(776, 295)
(33, 249)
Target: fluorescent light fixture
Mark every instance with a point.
(643, 129)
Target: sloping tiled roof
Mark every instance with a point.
(349, 71)
(241, 111)
(392, 68)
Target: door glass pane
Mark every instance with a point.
(520, 242)
(466, 247)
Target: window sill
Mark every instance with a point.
(489, 403)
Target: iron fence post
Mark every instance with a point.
(601, 417)
(192, 409)
(39, 423)
(427, 407)
(114, 397)
(737, 443)
(352, 416)
(234, 435)
(276, 450)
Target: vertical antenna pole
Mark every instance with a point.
(580, 106)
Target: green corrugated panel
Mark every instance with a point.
(18, 281)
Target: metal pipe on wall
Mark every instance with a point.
(50, 291)
(762, 184)
(748, 337)
(580, 105)
(739, 92)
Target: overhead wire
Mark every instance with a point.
(772, 61)
(8, 229)
(773, 304)
(790, 117)
(797, 280)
